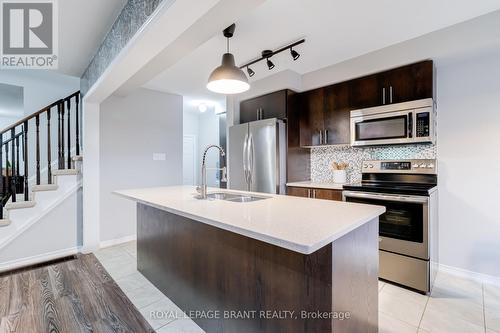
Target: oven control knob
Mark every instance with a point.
(422, 165)
(415, 166)
(365, 166)
(430, 166)
(371, 166)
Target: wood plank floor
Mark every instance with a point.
(72, 296)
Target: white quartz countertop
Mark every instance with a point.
(299, 224)
(310, 184)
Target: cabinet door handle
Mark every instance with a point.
(308, 193)
(320, 137)
(383, 95)
(390, 94)
(326, 137)
(261, 113)
(314, 194)
(258, 114)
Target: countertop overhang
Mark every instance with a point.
(298, 224)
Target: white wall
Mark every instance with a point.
(41, 87)
(469, 159)
(467, 57)
(132, 128)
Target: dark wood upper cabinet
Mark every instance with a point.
(312, 122)
(366, 92)
(337, 114)
(409, 83)
(402, 84)
(273, 105)
(325, 116)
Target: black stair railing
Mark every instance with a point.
(14, 145)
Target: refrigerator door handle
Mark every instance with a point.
(245, 156)
(250, 159)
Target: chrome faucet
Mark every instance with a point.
(202, 189)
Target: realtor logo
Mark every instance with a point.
(29, 34)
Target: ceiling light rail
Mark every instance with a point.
(266, 54)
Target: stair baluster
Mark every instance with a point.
(49, 152)
(7, 171)
(77, 125)
(17, 158)
(59, 159)
(13, 165)
(25, 152)
(69, 133)
(37, 131)
(62, 162)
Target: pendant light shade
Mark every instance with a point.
(228, 78)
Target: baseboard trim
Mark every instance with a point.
(37, 259)
(117, 241)
(463, 273)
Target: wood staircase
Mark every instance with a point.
(21, 157)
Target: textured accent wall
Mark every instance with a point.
(132, 17)
(323, 157)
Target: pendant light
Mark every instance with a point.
(228, 78)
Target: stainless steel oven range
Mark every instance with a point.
(409, 228)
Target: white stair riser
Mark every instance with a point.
(43, 199)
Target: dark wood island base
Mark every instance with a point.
(217, 273)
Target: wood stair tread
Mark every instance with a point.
(44, 187)
(4, 222)
(65, 172)
(20, 204)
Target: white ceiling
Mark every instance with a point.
(83, 24)
(335, 30)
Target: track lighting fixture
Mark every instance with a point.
(227, 78)
(270, 64)
(267, 54)
(250, 72)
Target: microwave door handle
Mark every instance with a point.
(410, 125)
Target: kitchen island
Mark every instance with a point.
(276, 264)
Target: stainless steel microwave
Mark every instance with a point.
(401, 123)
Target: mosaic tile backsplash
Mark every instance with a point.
(323, 157)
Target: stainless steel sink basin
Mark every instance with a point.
(234, 197)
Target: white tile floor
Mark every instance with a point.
(455, 304)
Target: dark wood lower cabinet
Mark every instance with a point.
(328, 194)
(298, 192)
(244, 285)
(315, 193)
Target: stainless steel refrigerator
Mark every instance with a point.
(257, 156)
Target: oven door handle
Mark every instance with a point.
(387, 197)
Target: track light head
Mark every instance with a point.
(270, 64)
(250, 72)
(295, 55)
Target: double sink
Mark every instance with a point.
(234, 197)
